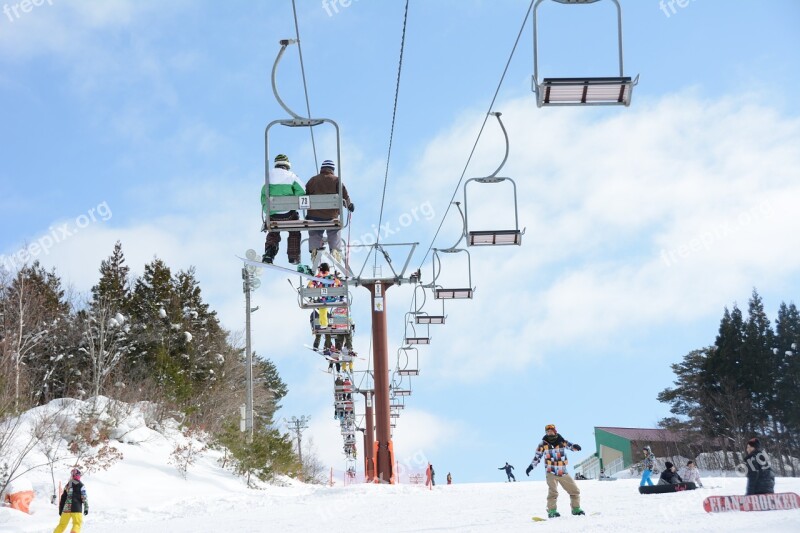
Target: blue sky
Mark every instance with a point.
(144, 122)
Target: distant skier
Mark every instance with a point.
(670, 475)
(648, 464)
(553, 448)
(508, 468)
(760, 478)
(449, 479)
(74, 504)
(692, 474)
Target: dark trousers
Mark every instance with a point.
(272, 245)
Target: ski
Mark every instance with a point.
(259, 264)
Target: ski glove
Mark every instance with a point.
(576, 447)
(351, 207)
(529, 470)
(85, 511)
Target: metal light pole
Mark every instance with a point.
(249, 283)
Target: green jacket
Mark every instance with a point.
(281, 183)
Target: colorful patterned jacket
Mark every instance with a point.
(554, 453)
(73, 499)
(649, 462)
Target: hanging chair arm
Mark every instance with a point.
(284, 43)
(505, 134)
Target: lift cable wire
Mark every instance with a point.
(486, 118)
(391, 131)
(305, 87)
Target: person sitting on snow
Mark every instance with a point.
(691, 473)
(670, 475)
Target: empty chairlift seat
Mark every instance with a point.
(609, 90)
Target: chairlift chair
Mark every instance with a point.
(494, 237)
(423, 317)
(414, 338)
(339, 322)
(407, 361)
(305, 202)
(442, 293)
(610, 90)
(316, 297)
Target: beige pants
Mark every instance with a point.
(568, 484)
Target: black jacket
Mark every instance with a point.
(78, 498)
(760, 478)
(668, 477)
(508, 468)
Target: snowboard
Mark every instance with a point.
(542, 519)
(259, 264)
(319, 351)
(662, 489)
(754, 502)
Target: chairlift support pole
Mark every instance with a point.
(384, 461)
(369, 436)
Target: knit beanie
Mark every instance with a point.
(328, 164)
(282, 160)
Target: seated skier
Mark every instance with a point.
(670, 475)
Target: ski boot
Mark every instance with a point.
(552, 513)
(577, 511)
(269, 254)
(305, 269)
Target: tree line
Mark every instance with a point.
(744, 385)
(146, 338)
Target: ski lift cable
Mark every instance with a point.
(480, 132)
(391, 130)
(305, 87)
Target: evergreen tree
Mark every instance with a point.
(113, 289)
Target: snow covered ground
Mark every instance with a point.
(143, 492)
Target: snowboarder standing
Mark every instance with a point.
(508, 468)
(760, 478)
(648, 464)
(553, 448)
(73, 504)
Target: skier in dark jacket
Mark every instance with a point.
(670, 475)
(760, 478)
(73, 504)
(508, 468)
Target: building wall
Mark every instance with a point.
(606, 442)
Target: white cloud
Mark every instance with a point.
(712, 184)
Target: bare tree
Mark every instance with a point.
(104, 342)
